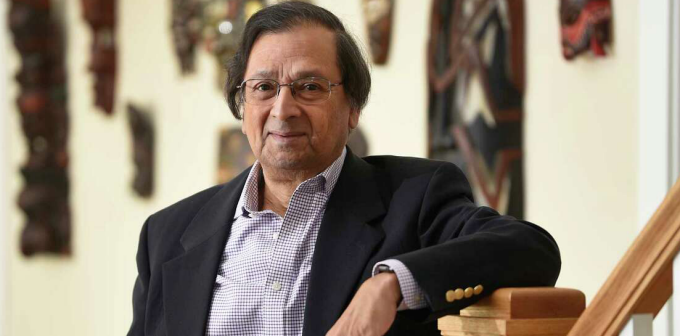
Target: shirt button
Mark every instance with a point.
(276, 286)
(276, 235)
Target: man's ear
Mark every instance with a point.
(353, 118)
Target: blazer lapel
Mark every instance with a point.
(345, 244)
(188, 280)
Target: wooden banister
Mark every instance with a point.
(529, 311)
(642, 281)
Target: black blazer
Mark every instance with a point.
(418, 211)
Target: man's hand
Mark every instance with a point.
(372, 310)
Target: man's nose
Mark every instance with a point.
(285, 105)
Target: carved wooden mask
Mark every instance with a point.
(476, 84)
(142, 127)
(187, 25)
(585, 26)
(42, 103)
(234, 154)
(218, 24)
(378, 16)
(224, 22)
(101, 16)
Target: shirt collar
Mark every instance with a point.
(248, 202)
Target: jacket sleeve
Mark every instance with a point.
(465, 246)
(140, 291)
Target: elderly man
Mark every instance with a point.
(312, 240)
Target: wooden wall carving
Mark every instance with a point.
(585, 26)
(187, 26)
(143, 149)
(378, 16)
(224, 22)
(101, 16)
(476, 83)
(234, 154)
(216, 24)
(42, 102)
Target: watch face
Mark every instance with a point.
(384, 268)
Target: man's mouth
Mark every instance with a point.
(286, 136)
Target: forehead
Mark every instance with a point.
(288, 55)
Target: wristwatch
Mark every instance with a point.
(384, 269)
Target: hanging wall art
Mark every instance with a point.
(186, 32)
(42, 103)
(475, 69)
(234, 154)
(143, 149)
(217, 25)
(101, 16)
(224, 21)
(378, 16)
(585, 26)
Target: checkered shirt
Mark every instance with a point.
(263, 277)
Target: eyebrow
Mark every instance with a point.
(267, 74)
(308, 73)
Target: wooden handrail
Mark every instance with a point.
(518, 311)
(642, 281)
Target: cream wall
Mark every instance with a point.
(580, 157)
(581, 145)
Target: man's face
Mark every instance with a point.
(289, 135)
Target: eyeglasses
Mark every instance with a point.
(263, 92)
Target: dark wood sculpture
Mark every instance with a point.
(217, 24)
(187, 26)
(476, 84)
(378, 15)
(224, 21)
(42, 102)
(585, 26)
(234, 154)
(101, 16)
(143, 135)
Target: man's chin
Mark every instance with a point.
(285, 162)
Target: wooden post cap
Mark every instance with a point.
(529, 303)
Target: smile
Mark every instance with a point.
(286, 136)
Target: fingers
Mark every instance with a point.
(370, 313)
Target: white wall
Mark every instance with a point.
(659, 104)
(4, 200)
(581, 156)
(581, 145)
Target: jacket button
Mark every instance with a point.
(450, 296)
(459, 293)
(468, 292)
(478, 289)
